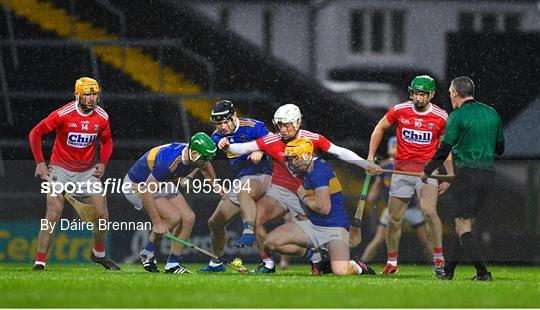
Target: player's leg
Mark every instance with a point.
(429, 194)
(172, 216)
(401, 191)
(287, 239)
(268, 208)
(415, 218)
(284, 259)
(340, 260)
(225, 212)
(100, 233)
(55, 206)
(396, 212)
(181, 230)
(252, 189)
(421, 234)
(378, 240)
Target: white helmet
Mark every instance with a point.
(288, 113)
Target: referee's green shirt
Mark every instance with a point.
(473, 130)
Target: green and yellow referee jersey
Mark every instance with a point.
(474, 130)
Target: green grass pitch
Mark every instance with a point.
(415, 286)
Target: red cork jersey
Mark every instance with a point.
(274, 146)
(418, 134)
(76, 136)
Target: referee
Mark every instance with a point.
(474, 135)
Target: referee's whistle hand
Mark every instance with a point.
(423, 177)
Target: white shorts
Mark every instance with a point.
(263, 178)
(404, 186)
(413, 217)
(83, 181)
(132, 196)
(319, 235)
(289, 200)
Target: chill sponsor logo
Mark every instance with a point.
(80, 140)
(416, 136)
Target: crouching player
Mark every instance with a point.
(153, 188)
(254, 172)
(327, 223)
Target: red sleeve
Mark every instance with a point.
(391, 115)
(35, 135)
(443, 126)
(106, 145)
(322, 144)
(261, 144)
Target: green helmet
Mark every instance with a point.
(204, 145)
(423, 83)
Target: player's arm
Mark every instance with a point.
(105, 151)
(35, 138)
(320, 203)
(353, 158)
(238, 148)
(209, 173)
(450, 137)
(149, 204)
(260, 131)
(443, 152)
(377, 135)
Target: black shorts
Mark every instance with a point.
(471, 189)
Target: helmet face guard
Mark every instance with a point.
(222, 111)
(87, 86)
(424, 84)
(287, 114)
(222, 116)
(299, 155)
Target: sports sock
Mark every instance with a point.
(41, 259)
(392, 258)
(309, 253)
(99, 250)
(149, 249)
(215, 262)
(455, 256)
(438, 254)
(268, 262)
(172, 261)
(316, 257)
(248, 228)
(470, 246)
(356, 267)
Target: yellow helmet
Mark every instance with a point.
(86, 86)
(299, 148)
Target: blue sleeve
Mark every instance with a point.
(216, 137)
(161, 167)
(260, 130)
(321, 177)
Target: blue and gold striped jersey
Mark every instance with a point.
(164, 162)
(322, 176)
(246, 130)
